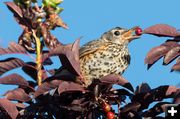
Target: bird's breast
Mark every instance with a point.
(113, 59)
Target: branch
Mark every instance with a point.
(38, 58)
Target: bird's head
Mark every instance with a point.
(120, 35)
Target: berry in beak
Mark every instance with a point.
(133, 33)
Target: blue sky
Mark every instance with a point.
(91, 18)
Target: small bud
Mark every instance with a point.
(39, 20)
(58, 10)
(57, 2)
(52, 3)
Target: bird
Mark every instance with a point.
(106, 55)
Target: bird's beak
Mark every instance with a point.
(130, 35)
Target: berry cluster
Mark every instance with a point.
(107, 109)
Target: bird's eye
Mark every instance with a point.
(117, 33)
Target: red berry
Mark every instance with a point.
(138, 31)
(106, 107)
(110, 115)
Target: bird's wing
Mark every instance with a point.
(91, 47)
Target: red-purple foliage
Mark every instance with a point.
(62, 94)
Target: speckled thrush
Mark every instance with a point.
(107, 55)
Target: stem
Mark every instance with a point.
(38, 58)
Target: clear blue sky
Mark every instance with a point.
(91, 18)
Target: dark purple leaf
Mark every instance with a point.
(158, 52)
(162, 30)
(20, 105)
(9, 64)
(17, 94)
(25, 40)
(131, 107)
(30, 69)
(76, 108)
(172, 54)
(48, 61)
(121, 92)
(81, 101)
(73, 58)
(32, 84)
(155, 54)
(59, 50)
(157, 94)
(30, 111)
(18, 15)
(14, 8)
(176, 67)
(117, 79)
(52, 71)
(47, 86)
(116, 96)
(171, 91)
(13, 48)
(66, 86)
(62, 74)
(50, 40)
(9, 107)
(68, 55)
(13, 79)
(93, 114)
(143, 88)
(114, 99)
(55, 21)
(28, 89)
(22, 22)
(155, 110)
(130, 115)
(171, 43)
(176, 99)
(75, 49)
